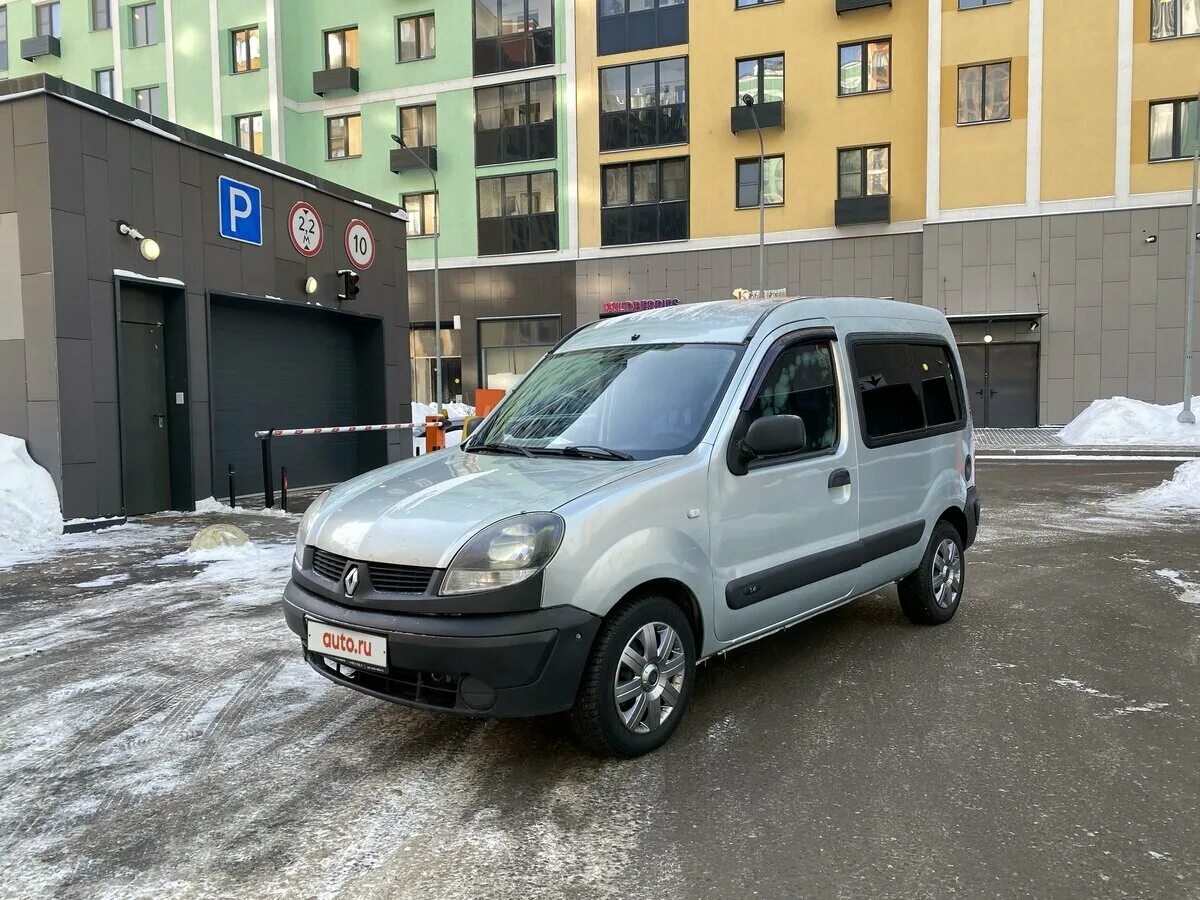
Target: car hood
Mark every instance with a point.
(420, 511)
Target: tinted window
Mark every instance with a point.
(891, 403)
(939, 388)
(801, 382)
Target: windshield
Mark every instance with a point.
(642, 401)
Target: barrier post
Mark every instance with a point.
(283, 488)
(232, 494)
(268, 481)
(435, 435)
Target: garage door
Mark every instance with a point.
(275, 367)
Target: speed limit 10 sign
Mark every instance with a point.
(360, 244)
(305, 229)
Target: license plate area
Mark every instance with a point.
(357, 648)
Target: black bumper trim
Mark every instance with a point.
(974, 512)
(531, 661)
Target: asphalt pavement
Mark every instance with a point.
(162, 736)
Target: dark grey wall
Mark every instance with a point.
(69, 174)
(487, 291)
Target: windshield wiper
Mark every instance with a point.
(500, 448)
(594, 451)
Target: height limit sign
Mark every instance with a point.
(305, 229)
(360, 244)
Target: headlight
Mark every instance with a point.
(505, 553)
(306, 523)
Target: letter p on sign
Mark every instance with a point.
(241, 211)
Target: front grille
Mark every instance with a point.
(399, 579)
(430, 688)
(328, 565)
(385, 577)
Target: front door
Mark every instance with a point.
(145, 437)
(1002, 382)
(783, 533)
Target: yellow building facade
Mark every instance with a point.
(1022, 164)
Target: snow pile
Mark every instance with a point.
(210, 505)
(1123, 421)
(29, 511)
(1181, 492)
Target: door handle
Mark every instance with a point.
(992, 393)
(162, 420)
(839, 478)
(979, 393)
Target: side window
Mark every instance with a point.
(891, 402)
(939, 385)
(802, 382)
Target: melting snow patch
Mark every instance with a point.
(1149, 706)
(1181, 492)
(1191, 591)
(104, 581)
(1083, 688)
(1120, 421)
(210, 505)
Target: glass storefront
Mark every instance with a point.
(508, 348)
(423, 353)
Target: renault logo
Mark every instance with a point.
(350, 581)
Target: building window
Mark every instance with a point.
(508, 348)
(416, 37)
(513, 34)
(515, 122)
(49, 19)
(864, 172)
(422, 213)
(1173, 130)
(104, 83)
(745, 4)
(865, 68)
(749, 183)
(518, 213)
(343, 136)
(248, 132)
(422, 350)
(3, 38)
(976, 4)
(640, 25)
(644, 202)
(418, 125)
(1174, 18)
(984, 93)
(101, 15)
(341, 49)
(144, 25)
(148, 99)
(644, 104)
(761, 77)
(246, 54)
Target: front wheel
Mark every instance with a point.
(638, 679)
(930, 595)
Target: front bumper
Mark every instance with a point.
(973, 511)
(515, 664)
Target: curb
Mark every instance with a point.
(1083, 453)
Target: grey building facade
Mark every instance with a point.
(139, 382)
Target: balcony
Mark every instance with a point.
(770, 115)
(844, 6)
(862, 210)
(41, 45)
(404, 160)
(343, 79)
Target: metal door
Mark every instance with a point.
(146, 439)
(1002, 384)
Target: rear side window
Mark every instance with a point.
(905, 389)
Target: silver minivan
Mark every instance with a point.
(660, 488)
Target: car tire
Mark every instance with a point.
(612, 724)
(931, 594)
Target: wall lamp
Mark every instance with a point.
(148, 246)
(310, 285)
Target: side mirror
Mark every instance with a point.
(776, 436)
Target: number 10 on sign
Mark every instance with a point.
(360, 244)
(305, 229)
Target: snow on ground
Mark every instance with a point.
(1120, 421)
(210, 505)
(29, 512)
(1180, 493)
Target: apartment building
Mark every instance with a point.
(1020, 164)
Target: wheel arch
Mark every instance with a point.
(675, 591)
(958, 519)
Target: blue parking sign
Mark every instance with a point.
(241, 211)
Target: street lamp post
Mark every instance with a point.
(1186, 416)
(437, 284)
(748, 101)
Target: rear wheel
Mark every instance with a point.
(930, 595)
(638, 679)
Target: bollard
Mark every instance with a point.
(268, 481)
(283, 488)
(232, 493)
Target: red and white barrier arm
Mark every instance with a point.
(338, 429)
